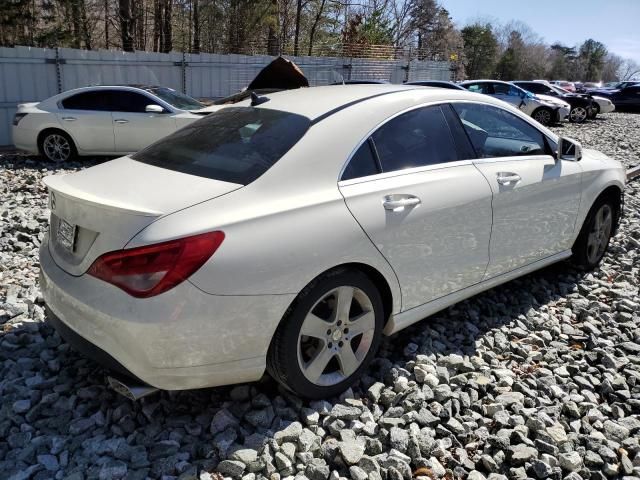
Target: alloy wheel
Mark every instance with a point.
(578, 114)
(599, 233)
(336, 335)
(543, 116)
(56, 148)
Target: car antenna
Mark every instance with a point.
(257, 100)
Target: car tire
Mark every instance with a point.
(543, 115)
(595, 234)
(578, 114)
(57, 146)
(330, 358)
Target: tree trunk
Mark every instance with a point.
(125, 25)
(314, 26)
(86, 34)
(166, 28)
(296, 37)
(196, 28)
(106, 24)
(76, 23)
(157, 25)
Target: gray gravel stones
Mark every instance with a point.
(537, 378)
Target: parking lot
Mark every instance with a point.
(537, 378)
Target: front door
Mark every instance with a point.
(134, 128)
(428, 212)
(535, 197)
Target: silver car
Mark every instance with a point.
(290, 232)
(544, 109)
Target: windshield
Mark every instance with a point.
(235, 144)
(176, 99)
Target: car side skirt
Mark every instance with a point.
(403, 319)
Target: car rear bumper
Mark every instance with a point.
(25, 139)
(179, 340)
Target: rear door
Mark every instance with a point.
(535, 197)
(134, 128)
(422, 202)
(86, 117)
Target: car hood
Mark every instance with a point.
(552, 100)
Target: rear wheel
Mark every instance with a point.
(328, 336)
(595, 234)
(543, 115)
(57, 146)
(578, 114)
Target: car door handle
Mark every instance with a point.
(506, 178)
(121, 120)
(391, 202)
(69, 119)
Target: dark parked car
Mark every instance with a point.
(627, 97)
(581, 105)
(437, 83)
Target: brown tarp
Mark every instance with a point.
(281, 74)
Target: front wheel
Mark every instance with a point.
(593, 240)
(328, 336)
(578, 114)
(543, 116)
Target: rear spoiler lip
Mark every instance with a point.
(56, 184)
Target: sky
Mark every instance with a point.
(616, 23)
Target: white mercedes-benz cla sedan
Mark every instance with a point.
(290, 232)
(101, 120)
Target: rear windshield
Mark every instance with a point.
(235, 144)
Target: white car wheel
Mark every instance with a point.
(328, 336)
(57, 147)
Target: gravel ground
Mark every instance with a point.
(538, 378)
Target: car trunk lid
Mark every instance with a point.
(100, 209)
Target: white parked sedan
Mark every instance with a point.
(102, 120)
(291, 234)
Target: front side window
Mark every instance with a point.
(128, 101)
(414, 139)
(235, 144)
(497, 133)
(97, 100)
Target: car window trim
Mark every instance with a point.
(440, 103)
(405, 171)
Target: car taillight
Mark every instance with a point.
(17, 117)
(153, 269)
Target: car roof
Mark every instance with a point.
(485, 80)
(319, 102)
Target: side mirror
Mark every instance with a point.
(569, 149)
(154, 109)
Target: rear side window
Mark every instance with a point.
(235, 144)
(478, 88)
(414, 139)
(95, 100)
(362, 164)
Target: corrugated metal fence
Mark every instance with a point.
(33, 74)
